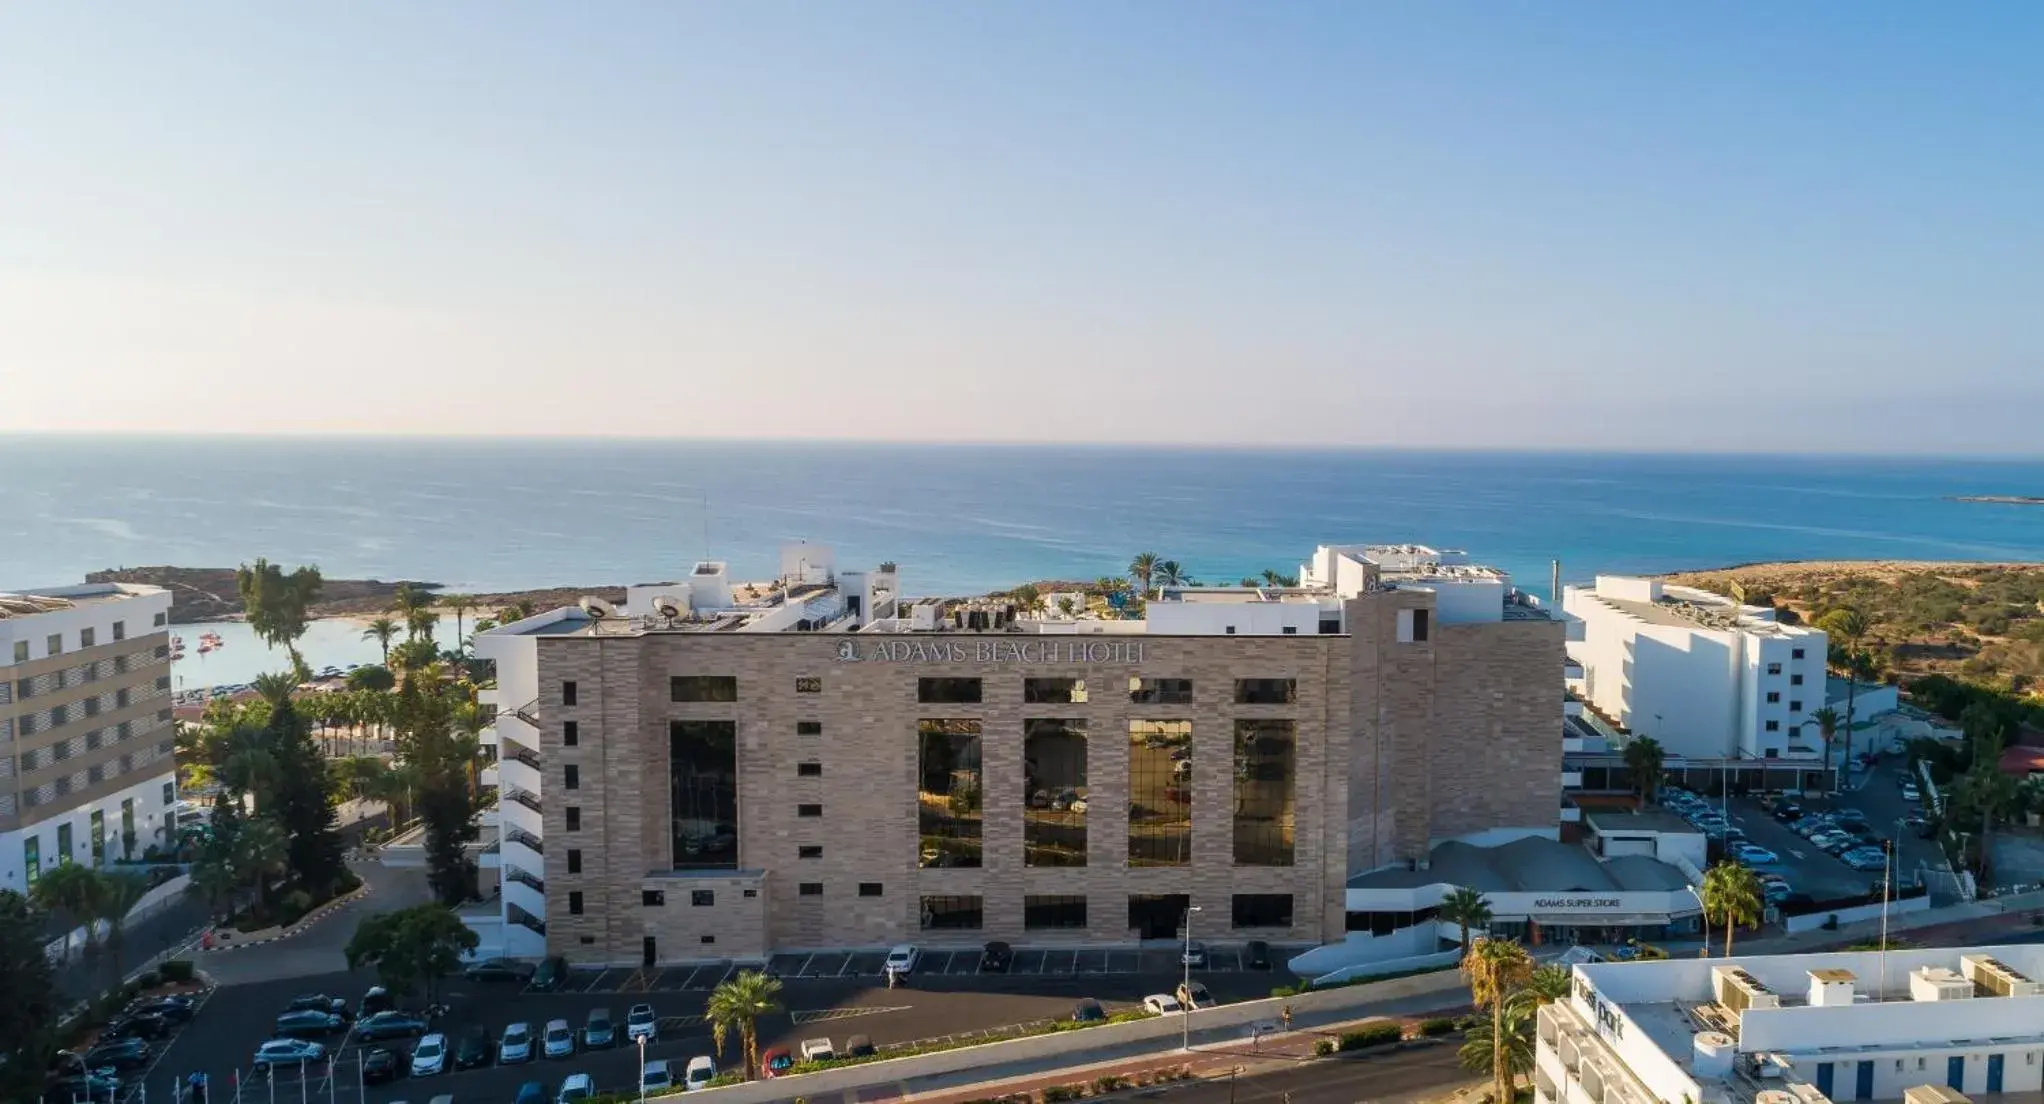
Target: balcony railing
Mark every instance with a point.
(513, 874)
(525, 919)
(529, 712)
(528, 757)
(530, 801)
(521, 836)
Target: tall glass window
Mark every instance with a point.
(702, 688)
(949, 795)
(1066, 690)
(1265, 776)
(702, 775)
(1042, 913)
(954, 913)
(1054, 793)
(96, 826)
(1266, 691)
(32, 858)
(1160, 691)
(1159, 793)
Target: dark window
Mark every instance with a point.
(869, 889)
(1160, 691)
(702, 898)
(1774, 668)
(809, 770)
(160, 619)
(1330, 626)
(1158, 915)
(810, 685)
(1774, 726)
(702, 779)
(574, 861)
(951, 913)
(1160, 793)
(86, 637)
(571, 733)
(121, 631)
(1231, 630)
(652, 898)
(809, 810)
(1795, 705)
(1043, 913)
(809, 851)
(1796, 653)
(574, 813)
(568, 692)
(1058, 690)
(948, 691)
(810, 889)
(162, 683)
(1795, 680)
(1773, 696)
(571, 777)
(751, 893)
(948, 799)
(1053, 793)
(1263, 910)
(709, 939)
(1291, 630)
(808, 728)
(588, 939)
(1266, 691)
(1420, 619)
(702, 688)
(575, 902)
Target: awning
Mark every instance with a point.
(1601, 919)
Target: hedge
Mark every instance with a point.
(1440, 1026)
(176, 969)
(1373, 1035)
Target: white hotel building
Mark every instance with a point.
(1945, 1024)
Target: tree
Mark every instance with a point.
(1827, 728)
(1850, 625)
(1468, 909)
(1142, 568)
(382, 630)
(372, 678)
(1171, 573)
(738, 1004)
(278, 605)
(261, 852)
(1545, 985)
(119, 892)
(1985, 790)
(419, 625)
(1496, 968)
(1026, 597)
(1481, 1051)
(72, 891)
(28, 1016)
(462, 605)
(416, 655)
(1732, 892)
(411, 947)
(407, 600)
(275, 687)
(1643, 757)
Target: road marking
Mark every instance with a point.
(803, 970)
(846, 968)
(821, 1015)
(164, 1051)
(676, 1023)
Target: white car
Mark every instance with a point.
(1754, 854)
(657, 1077)
(287, 1052)
(430, 1056)
(1163, 1004)
(640, 1022)
(575, 1086)
(560, 1039)
(701, 1071)
(817, 1050)
(1910, 792)
(902, 959)
(516, 1045)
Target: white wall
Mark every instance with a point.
(137, 612)
(1248, 618)
(150, 811)
(1465, 601)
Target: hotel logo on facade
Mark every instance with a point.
(991, 651)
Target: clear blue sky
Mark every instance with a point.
(1780, 226)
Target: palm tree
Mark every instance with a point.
(382, 630)
(407, 600)
(1170, 573)
(1827, 727)
(1850, 625)
(461, 604)
(1993, 794)
(275, 688)
(262, 851)
(1496, 968)
(1732, 892)
(739, 1003)
(419, 623)
(1467, 908)
(1142, 568)
(119, 892)
(73, 890)
(1546, 985)
(1643, 757)
(1026, 597)
(1480, 1051)
(1270, 577)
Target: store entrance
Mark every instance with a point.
(1157, 915)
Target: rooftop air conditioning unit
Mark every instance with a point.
(1996, 978)
(1939, 983)
(1738, 990)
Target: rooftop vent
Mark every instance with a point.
(1831, 988)
(1996, 978)
(1738, 990)
(1939, 983)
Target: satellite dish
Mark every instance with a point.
(597, 608)
(667, 607)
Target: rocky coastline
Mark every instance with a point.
(210, 593)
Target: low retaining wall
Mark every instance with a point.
(1390, 966)
(892, 1071)
(1813, 921)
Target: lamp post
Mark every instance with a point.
(642, 1068)
(1692, 891)
(1185, 986)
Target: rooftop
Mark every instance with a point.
(40, 600)
(1643, 820)
(1527, 865)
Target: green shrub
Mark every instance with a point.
(176, 969)
(1108, 1083)
(1055, 1094)
(1373, 1035)
(1438, 1026)
(728, 1077)
(1287, 990)
(1323, 1047)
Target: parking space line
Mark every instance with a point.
(803, 970)
(847, 967)
(1070, 966)
(595, 983)
(729, 970)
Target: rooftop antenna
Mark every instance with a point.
(706, 525)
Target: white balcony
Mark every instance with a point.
(520, 815)
(1570, 814)
(1571, 706)
(488, 777)
(1571, 744)
(488, 695)
(1572, 780)
(522, 850)
(521, 774)
(524, 890)
(491, 858)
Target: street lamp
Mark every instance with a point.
(642, 1068)
(1185, 986)
(1692, 891)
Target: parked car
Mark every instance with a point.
(1787, 811)
(430, 1056)
(1163, 1004)
(283, 1052)
(1194, 954)
(641, 1021)
(391, 1025)
(551, 975)
(96, 1088)
(532, 1092)
(515, 1045)
(776, 1061)
(700, 1072)
(1088, 1011)
(560, 1039)
(859, 1046)
(1866, 860)
(380, 1064)
(817, 1050)
(120, 1054)
(318, 1002)
(657, 1077)
(598, 1032)
(1193, 994)
(902, 959)
(376, 999)
(473, 1052)
(995, 957)
(1256, 955)
(307, 1025)
(499, 969)
(1752, 854)
(175, 1009)
(1910, 792)
(137, 1025)
(575, 1086)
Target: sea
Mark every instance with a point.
(494, 514)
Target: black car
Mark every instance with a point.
(380, 1065)
(499, 969)
(137, 1025)
(1787, 811)
(121, 1054)
(1088, 1011)
(1256, 955)
(390, 1025)
(859, 1046)
(174, 1009)
(83, 1087)
(308, 1024)
(551, 975)
(474, 1050)
(995, 957)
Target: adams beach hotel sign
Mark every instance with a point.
(1032, 652)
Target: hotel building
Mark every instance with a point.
(1943, 1024)
(86, 738)
(712, 773)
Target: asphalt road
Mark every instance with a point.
(1404, 1077)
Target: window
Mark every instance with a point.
(96, 831)
(1796, 654)
(121, 698)
(1049, 913)
(808, 728)
(55, 643)
(1795, 705)
(702, 777)
(1774, 726)
(951, 913)
(1774, 668)
(1230, 630)
(120, 665)
(709, 939)
(808, 685)
(574, 813)
(21, 651)
(1263, 910)
(571, 734)
(87, 637)
(809, 810)
(652, 898)
(1160, 793)
(1267, 691)
(702, 898)
(28, 725)
(575, 902)
(1773, 696)
(1266, 771)
(809, 770)
(120, 630)
(587, 940)
(574, 861)
(170, 793)
(1413, 625)
(1054, 793)
(810, 889)
(869, 889)
(1060, 691)
(948, 797)
(32, 858)
(63, 842)
(92, 707)
(571, 777)
(568, 692)
(1795, 680)
(948, 691)
(702, 688)
(1160, 691)
(1291, 630)
(59, 714)
(1158, 915)
(809, 851)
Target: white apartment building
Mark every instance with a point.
(1709, 678)
(87, 772)
(1798, 1029)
